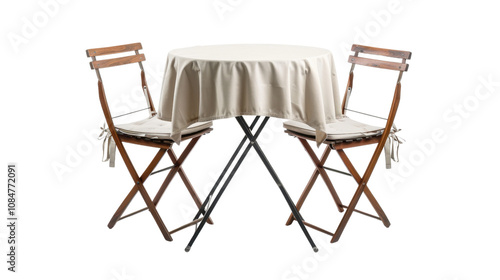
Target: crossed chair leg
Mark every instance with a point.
(152, 203)
(362, 188)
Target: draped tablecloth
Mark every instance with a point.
(211, 82)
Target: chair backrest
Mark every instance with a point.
(104, 63)
(377, 63)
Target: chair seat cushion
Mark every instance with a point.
(155, 128)
(341, 129)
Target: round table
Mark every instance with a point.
(211, 82)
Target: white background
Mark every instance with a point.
(441, 198)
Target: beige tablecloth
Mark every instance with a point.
(211, 82)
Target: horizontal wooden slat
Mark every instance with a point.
(318, 228)
(117, 61)
(346, 145)
(186, 225)
(380, 51)
(378, 63)
(114, 49)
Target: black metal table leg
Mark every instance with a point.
(253, 142)
(223, 188)
(269, 167)
(214, 188)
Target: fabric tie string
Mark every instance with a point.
(108, 146)
(391, 147)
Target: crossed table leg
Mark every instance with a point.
(253, 143)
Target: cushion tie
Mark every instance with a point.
(108, 146)
(391, 147)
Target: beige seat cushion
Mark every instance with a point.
(157, 129)
(342, 129)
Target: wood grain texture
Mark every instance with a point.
(378, 63)
(380, 51)
(114, 49)
(380, 140)
(371, 165)
(116, 61)
(120, 139)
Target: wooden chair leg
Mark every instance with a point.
(367, 191)
(319, 166)
(177, 164)
(348, 212)
(359, 191)
(178, 169)
(304, 194)
(362, 188)
(154, 212)
(165, 184)
(139, 185)
(186, 181)
(329, 185)
(318, 171)
(123, 206)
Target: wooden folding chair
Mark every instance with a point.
(347, 133)
(150, 132)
